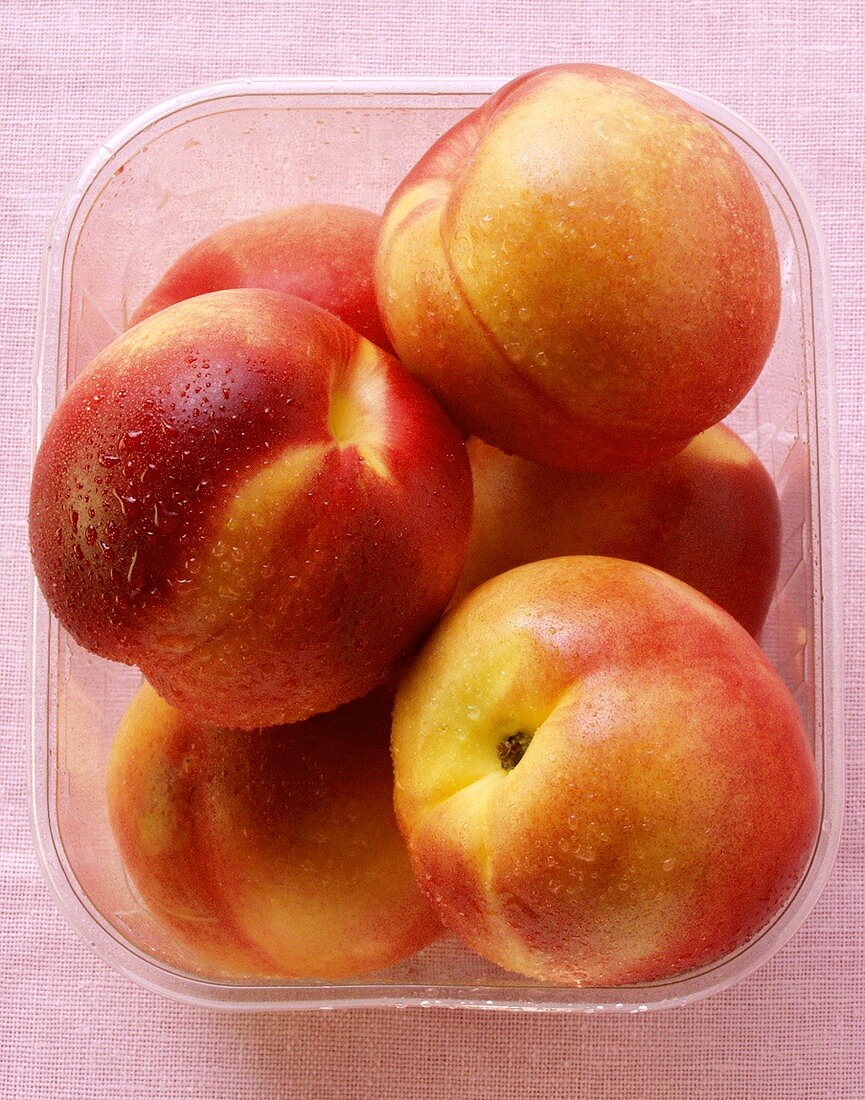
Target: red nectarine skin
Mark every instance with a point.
(322, 252)
(665, 807)
(261, 509)
(709, 516)
(583, 269)
(270, 853)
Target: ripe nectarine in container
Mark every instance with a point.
(583, 269)
(271, 853)
(600, 777)
(709, 515)
(322, 252)
(259, 507)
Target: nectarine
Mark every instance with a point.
(709, 516)
(600, 777)
(583, 269)
(273, 852)
(261, 509)
(322, 252)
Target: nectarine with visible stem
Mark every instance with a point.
(600, 777)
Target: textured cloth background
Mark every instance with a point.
(69, 1027)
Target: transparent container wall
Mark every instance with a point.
(201, 163)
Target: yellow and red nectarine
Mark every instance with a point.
(257, 506)
(709, 516)
(271, 852)
(600, 777)
(322, 252)
(583, 269)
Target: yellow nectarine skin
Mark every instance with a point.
(272, 852)
(709, 516)
(600, 777)
(583, 269)
(261, 509)
(322, 252)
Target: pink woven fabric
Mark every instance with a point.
(73, 71)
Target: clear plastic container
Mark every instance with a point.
(210, 157)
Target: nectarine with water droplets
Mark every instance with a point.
(600, 777)
(259, 507)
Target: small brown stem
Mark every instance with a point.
(511, 749)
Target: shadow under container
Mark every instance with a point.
(202, 160)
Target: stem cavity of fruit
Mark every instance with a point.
(511, 749)
(357, 416)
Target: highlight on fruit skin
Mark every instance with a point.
(600, 778)
(709, 516)
(583, 270)
(322, 252)
(262, 510)
(271, 853)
